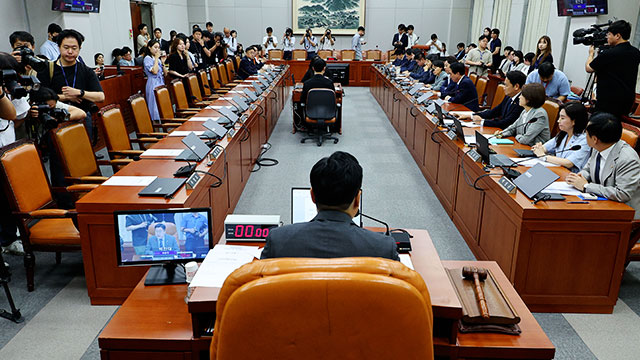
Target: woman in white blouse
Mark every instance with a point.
(572, 122)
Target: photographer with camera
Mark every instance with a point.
(289, 43)
(270, 41)
(217, 52)
(616, 66)
(327, 41)
(310, 44)
(23, 46)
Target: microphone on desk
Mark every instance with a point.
(517, 127)
(388, 232)
(511, 174)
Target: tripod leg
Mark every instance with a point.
(14, 315)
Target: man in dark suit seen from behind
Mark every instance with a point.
(335, 189)
(317, 81)
(508, 110)
(465, 91)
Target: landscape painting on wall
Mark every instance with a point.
(341, 16)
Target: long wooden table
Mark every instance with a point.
(360, 73)
(171, 329)
(109, 284)
(560, 257)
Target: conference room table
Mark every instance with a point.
(109, 284)
(174, 328)
(360, 73)
(560, 256)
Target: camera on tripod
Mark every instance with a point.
(50, 117)
(16, 84)
(596, 35)
(29, 58)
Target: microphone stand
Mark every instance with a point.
(5, 277)
(388, 232)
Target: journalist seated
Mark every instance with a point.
(556, 84)
(161, 241)
(335, 189)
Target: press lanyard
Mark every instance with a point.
(75, 75)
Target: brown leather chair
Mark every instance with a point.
(375, 55)
(499, 96)
(216, 82)
(116, 135)
(324, 54)
(299, 54)
(630, 135)
(321, 110)
(347, 311)
(391, 55)
(182, 103)
(144, 126)
(42, 226)
(165, 107)
(236, 61)
(205, 85)
(481, 86)
(552, 108)
(276, 54)
(346, 55)
(231, 73)
(196, 94)
(224, 76)
(474, 78)
(577, 90)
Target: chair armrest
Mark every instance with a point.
(85, 179)
(213, 96)
(126, 152)
(115, 162)
(81, 188)
(189, 110)
(47, 214)
(152, 134)
(173, 120)
(145, 140)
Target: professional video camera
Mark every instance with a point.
(596, 35)
(29, 58)
(50, 117)
(15, 84)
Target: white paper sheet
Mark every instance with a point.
(448, 122)
(470, 139)
(161, 152)
(406, 260)
(220, 262)
(129, 180)
(460, 113)
(179, 133)
(532, 162)
(561, 187)
(469, 124)
(214, 107)
(203, 118)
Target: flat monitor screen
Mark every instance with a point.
(162, 235)
(83, 6)
(483, 147)
(582, 7)
(303, 209)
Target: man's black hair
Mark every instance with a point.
(126, 50)
(8, 62)
(269, 29)
(69, 33)
(410, 27)
(402, 27)
(517, 77)
(457, 68)
(434, 36)
(157, 29)
(401, 51)
(529, 57)
(419, 56)
(606, 127)
(620, 27)
(43, 95)
(163, 226)
(360, 28)
(141, 26)
(319, 65)
(432, 57)
(546, 69)
(438, 63)
(173, 33)
(496, 31)
(473, 45)
(206, 34)
(196, 30)
(451, 59)
(336, 180)
(508, 47)
(21, 36)
(209, 23)
(482, 37)
(460, 45)
(116, 52)
(53, 28)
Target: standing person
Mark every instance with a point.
(179, 61)
(480, 58)
(50, 48)
(270, 41)
(310, 44)
(543, 53)
(138, 224)
(196, 47)
(127, 59)
(435, 45)
(495, 47)
(143, 37)
(195, 228)
(411, 37)
(289, 42)
(357, 42)
(616, 69)
(486, 32)
(218, 52)
(327, 41)
(164, 44)
(400, 40)
(154, 70)
(230, 41)
(209, 26)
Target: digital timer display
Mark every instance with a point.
(247, 232)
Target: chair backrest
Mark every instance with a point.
(74, 147)
(630, 135)
(481, 86)
(204, 82)
(141, 116)
(577, 90)
(213, 73)
(237, 61)
(324, 54)
(474, 78)
(348, 54)
(194, 87)
(499, 95)
(114, 128)
(391, 55)
(163, 101)
(179, 94)
(376, 55)
(231, 74)
(299, 54)
(222, 72)
(321, 104)
(335, 294)
(23, 177)
(552, 108)
(276, 54)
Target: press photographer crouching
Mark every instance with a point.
(616, 65)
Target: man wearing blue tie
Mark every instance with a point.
(465, 91)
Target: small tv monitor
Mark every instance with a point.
(81, 6)
(582, 7)
(165, 237)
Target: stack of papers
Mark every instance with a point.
(532, 162)
(220, 262)
(203, 119)
(176, 133)
(406, 260)
(129, 180)
(161, 153)
(461, 113)
(562, 188)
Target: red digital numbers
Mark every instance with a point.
(250, 231)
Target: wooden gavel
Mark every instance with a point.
(477, 274)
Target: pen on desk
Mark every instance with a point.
(577, 202)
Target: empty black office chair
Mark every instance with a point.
(321, 111)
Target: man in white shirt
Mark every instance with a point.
(435, 45)
(289, 43)
(310, 44)
(356, 43)
(270, 41)
(230, 42)
(327, 41)
(413, 38)
(50, 48)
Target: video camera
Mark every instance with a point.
(50, 117)
(29, 58)
(596, 35)
(15, 84)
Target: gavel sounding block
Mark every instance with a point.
(500, 309)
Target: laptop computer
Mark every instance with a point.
(196, 149)
(229, 115)
(163, 187)
(535, 180)
(457, 127)
(482, 144)
(303, 209)
(250, 94)
(239, 103)
(214, 129)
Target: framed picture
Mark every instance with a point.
(343, 17)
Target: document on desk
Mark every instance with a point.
(406, 260)
(161, 153)
(469, 124)
(461, 113)
(178, 133)
(203, 118)
(216, 107)
(470, 139)
(129, 180)
(532, 162)
(220, 262)
(562, 188)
